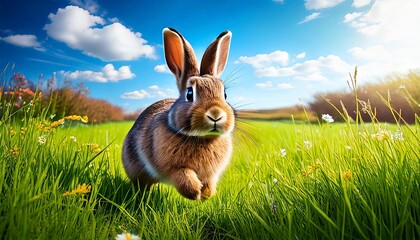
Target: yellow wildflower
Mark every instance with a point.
(95, 148)
(12, 132)
(23, 130)
(311, 169)
(347, 175)
(14, 151)
(77, 118)
(84, 119)
(57, 123)
(81, 189)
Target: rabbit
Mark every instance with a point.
(185, 142)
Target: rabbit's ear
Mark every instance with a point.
(216, 55)
(180, 57)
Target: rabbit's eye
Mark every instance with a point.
(189, 95)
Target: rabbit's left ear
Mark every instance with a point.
(216, 55)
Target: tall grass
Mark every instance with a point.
(352, 180)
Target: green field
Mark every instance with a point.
(286, 180)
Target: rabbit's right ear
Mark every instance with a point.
(180, 57)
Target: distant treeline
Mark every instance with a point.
(59, 101)
(375, 100)
(400, 92)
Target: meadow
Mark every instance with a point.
(61, 177)
(64, 179)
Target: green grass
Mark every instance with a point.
(286, 180)
(336, 181)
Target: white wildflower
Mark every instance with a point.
(381, 135)
(127, 236)
(348, 147)
(282, 152)
(275, 180)
(328, 118)
(307, 144)
(398, 136)
(42, 140)
(73, 138)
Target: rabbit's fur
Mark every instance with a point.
(185, 141)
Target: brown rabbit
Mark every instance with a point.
(186, 141)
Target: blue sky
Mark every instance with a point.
(282, 52)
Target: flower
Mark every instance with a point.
(348, 147)
(81, 189)
(77, 118)
(275, 180)
(126, 236)
(14, 151)
(398, 136)
(347, 175)
(328, 118)
(73, 138)
(311, 169)
(12, 132)
(95, 148)
(42, 140)
(57, 123)
(381, 135)
(23, 130)
(307, 144)
(282, 152)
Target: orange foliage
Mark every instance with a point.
(59, 102)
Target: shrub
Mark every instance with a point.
(55, 102)
(401, 91)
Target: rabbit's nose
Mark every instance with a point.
(215, 114)
(214, 120)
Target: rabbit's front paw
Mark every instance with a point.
(207, 190)
(187, 183)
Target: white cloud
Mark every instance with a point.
(320, 4)
(89, 5)
(301, 55)
(311, 17)
(79, 29)
(161, 69)
(310, 70)
(141, 94)
(350, 17)
(24, 40)
(261, 60)
(391, 28)
(155, 92)
(390, 21)
(284, 86)
(315, 77)
(377, 52)
(275, 72)
(114, 19)
(107, 74)
(268, 84)
(279, 1)
(360, 3)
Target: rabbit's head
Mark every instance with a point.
(201, 109)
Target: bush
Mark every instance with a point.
(400, 91)
(56, 102)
